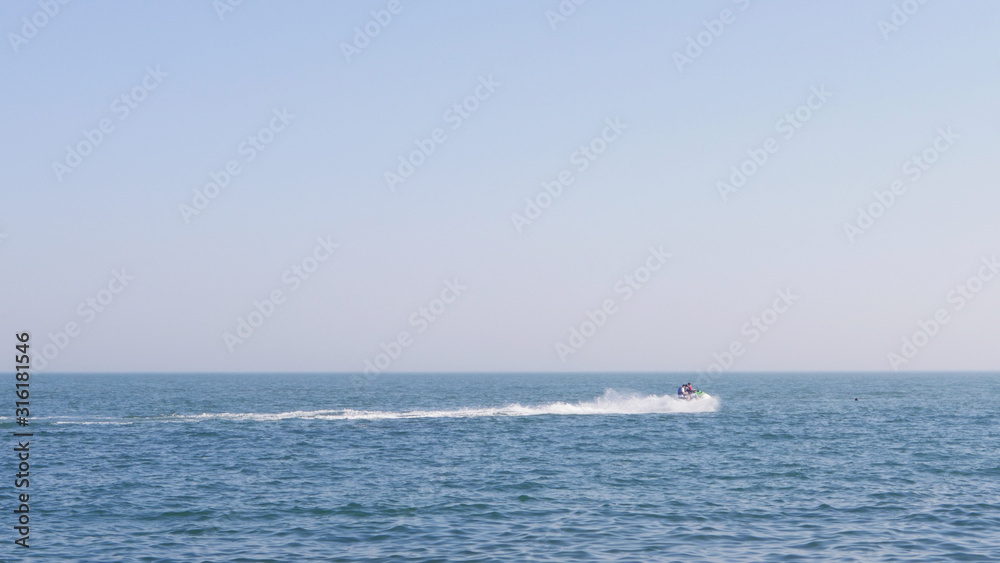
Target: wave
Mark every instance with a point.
(610, 403)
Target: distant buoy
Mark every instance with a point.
(855, 398)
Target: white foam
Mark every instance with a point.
(91, 422)
(611, 402)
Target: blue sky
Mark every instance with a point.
(213, 82)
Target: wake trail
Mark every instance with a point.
(610, 403)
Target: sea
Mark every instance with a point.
(507, 467)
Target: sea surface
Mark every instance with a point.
(495, 467)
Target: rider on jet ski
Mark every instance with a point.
(685, 391)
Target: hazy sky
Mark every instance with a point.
(387, 171)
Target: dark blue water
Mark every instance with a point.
(510, 467)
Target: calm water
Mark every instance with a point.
(511, 467)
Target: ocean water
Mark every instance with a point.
(491, 467)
